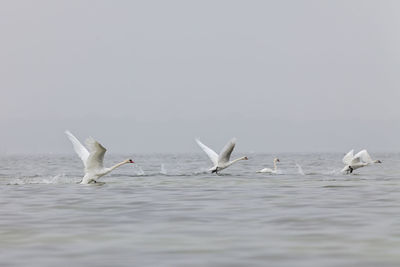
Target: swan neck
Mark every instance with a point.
(116, 166)
(233, 161)
(275, 167)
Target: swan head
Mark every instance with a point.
(377, 161)
(245, 158)
(129, 161)
(276, 160)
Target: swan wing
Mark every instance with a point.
(348, 157)
(226, 152)
(210, 153)
(82, 152)
(363, 157)
(96, 156)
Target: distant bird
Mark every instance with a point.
(220, 161)
(361, 159)
(269, 170)
(93, 160)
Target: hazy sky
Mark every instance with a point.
(149, 76)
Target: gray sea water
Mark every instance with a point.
(167, 211)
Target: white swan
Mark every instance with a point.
(269, 170)
(93, 160)
(220, 161)
(361, 159)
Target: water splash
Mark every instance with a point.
(300, 169)
(333, 172)
(58, 179)
(139, 171)
(162, 169)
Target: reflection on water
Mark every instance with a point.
(167, 211)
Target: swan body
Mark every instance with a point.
(353, 162)
(221, 161)
(269, 170)
(92, 159)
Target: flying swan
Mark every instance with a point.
(361, 159)
(220, 161)
(93, 160)
(269, 170)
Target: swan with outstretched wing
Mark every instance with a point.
(92, 158)
(221, 161)
(359, 160)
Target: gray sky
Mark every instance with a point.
(149, 76)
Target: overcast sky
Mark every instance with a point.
(150, 76)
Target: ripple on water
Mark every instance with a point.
(170, 212)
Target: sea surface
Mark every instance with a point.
(166, 210)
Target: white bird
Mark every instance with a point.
(361, 159)
(93, 160)
(220, 161)
(269, 170)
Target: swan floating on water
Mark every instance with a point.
(269, 170)
(93, 160)
(220, 161)
(353, 162)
